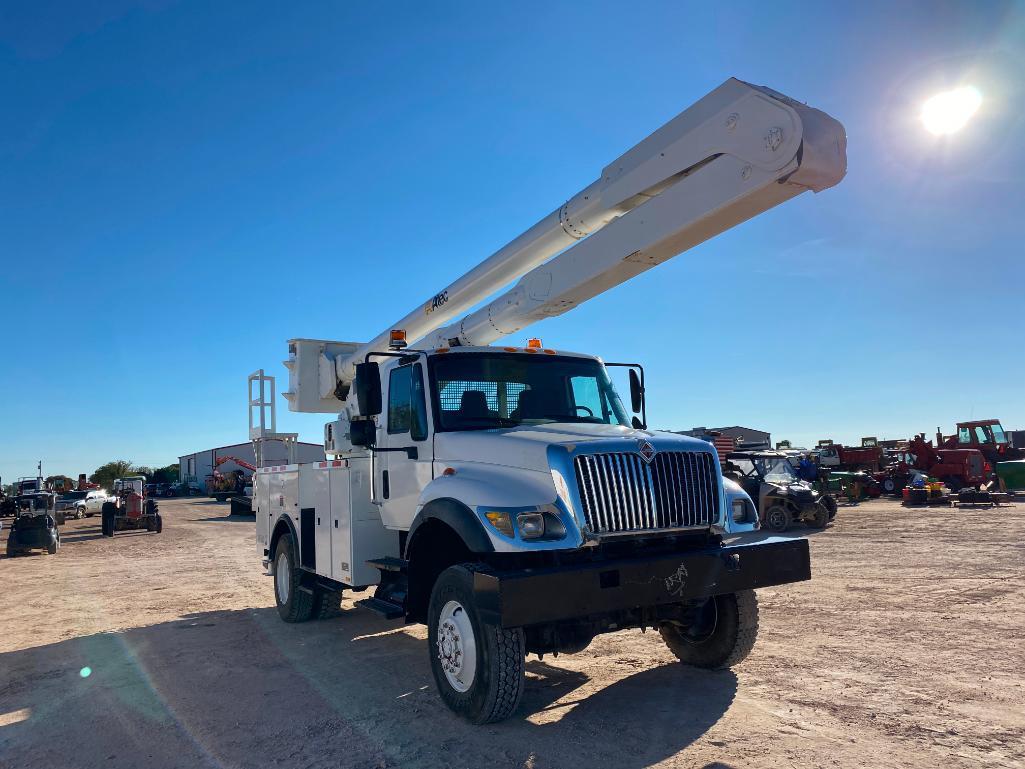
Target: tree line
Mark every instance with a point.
(105, 475)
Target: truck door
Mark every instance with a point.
(399, 477)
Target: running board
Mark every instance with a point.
(390, 597)
(386, 609)
(389, 564)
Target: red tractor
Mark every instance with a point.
(985, 435)
(957, 468)
(131, 508)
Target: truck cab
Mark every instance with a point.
(533, 441)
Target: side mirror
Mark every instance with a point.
(637, 400)
(636, 392)
(363, 432)
(368, 389)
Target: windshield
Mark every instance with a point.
(73, 495)
(483, 391)
(776, 469)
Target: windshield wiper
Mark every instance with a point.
(573, 418)
(497, 421)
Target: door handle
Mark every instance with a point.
(411, 451)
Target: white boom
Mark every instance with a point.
(737, 152)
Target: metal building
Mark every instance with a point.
(196, 468)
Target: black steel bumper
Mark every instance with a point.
(540, 596)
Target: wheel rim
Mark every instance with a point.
(457, 646)
(283, 577)
(777, 519)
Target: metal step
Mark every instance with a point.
(386, 609)
(389, 564)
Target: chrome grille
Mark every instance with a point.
(621, 493)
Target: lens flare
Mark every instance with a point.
(950, 111)
(85, 672)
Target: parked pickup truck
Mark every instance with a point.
(82, 504)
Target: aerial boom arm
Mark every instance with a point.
(712, 197)
(735, 153)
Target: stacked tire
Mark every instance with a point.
(107, 514)
(154, 521)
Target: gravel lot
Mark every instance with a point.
(907, 649)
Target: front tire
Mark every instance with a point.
(821, 519)
(295, 603)
(79, 513)
(724, 635)
(478, 667)
(778, 518)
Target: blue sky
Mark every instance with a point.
(187, 185)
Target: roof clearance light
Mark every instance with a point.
(534, 344)
(397, 339)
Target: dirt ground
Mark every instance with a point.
(907, 649)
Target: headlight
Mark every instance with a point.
(531, 525)
(739, 510)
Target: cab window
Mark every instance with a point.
(964, 435)
(407, 406)
(588, 400)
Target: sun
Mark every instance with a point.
(950, 111)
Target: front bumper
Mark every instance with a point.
(540, 596)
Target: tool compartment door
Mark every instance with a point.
(366, 536)
(317, 495)
(341, 524)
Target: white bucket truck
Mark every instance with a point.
(505, 495)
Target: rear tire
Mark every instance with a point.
(53, 547)
(731, 639)
(295, 603)
(160, 523)
(478, 667)
(821, 519)
(830, 503)
(327, 604)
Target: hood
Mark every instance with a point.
(527, 446)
